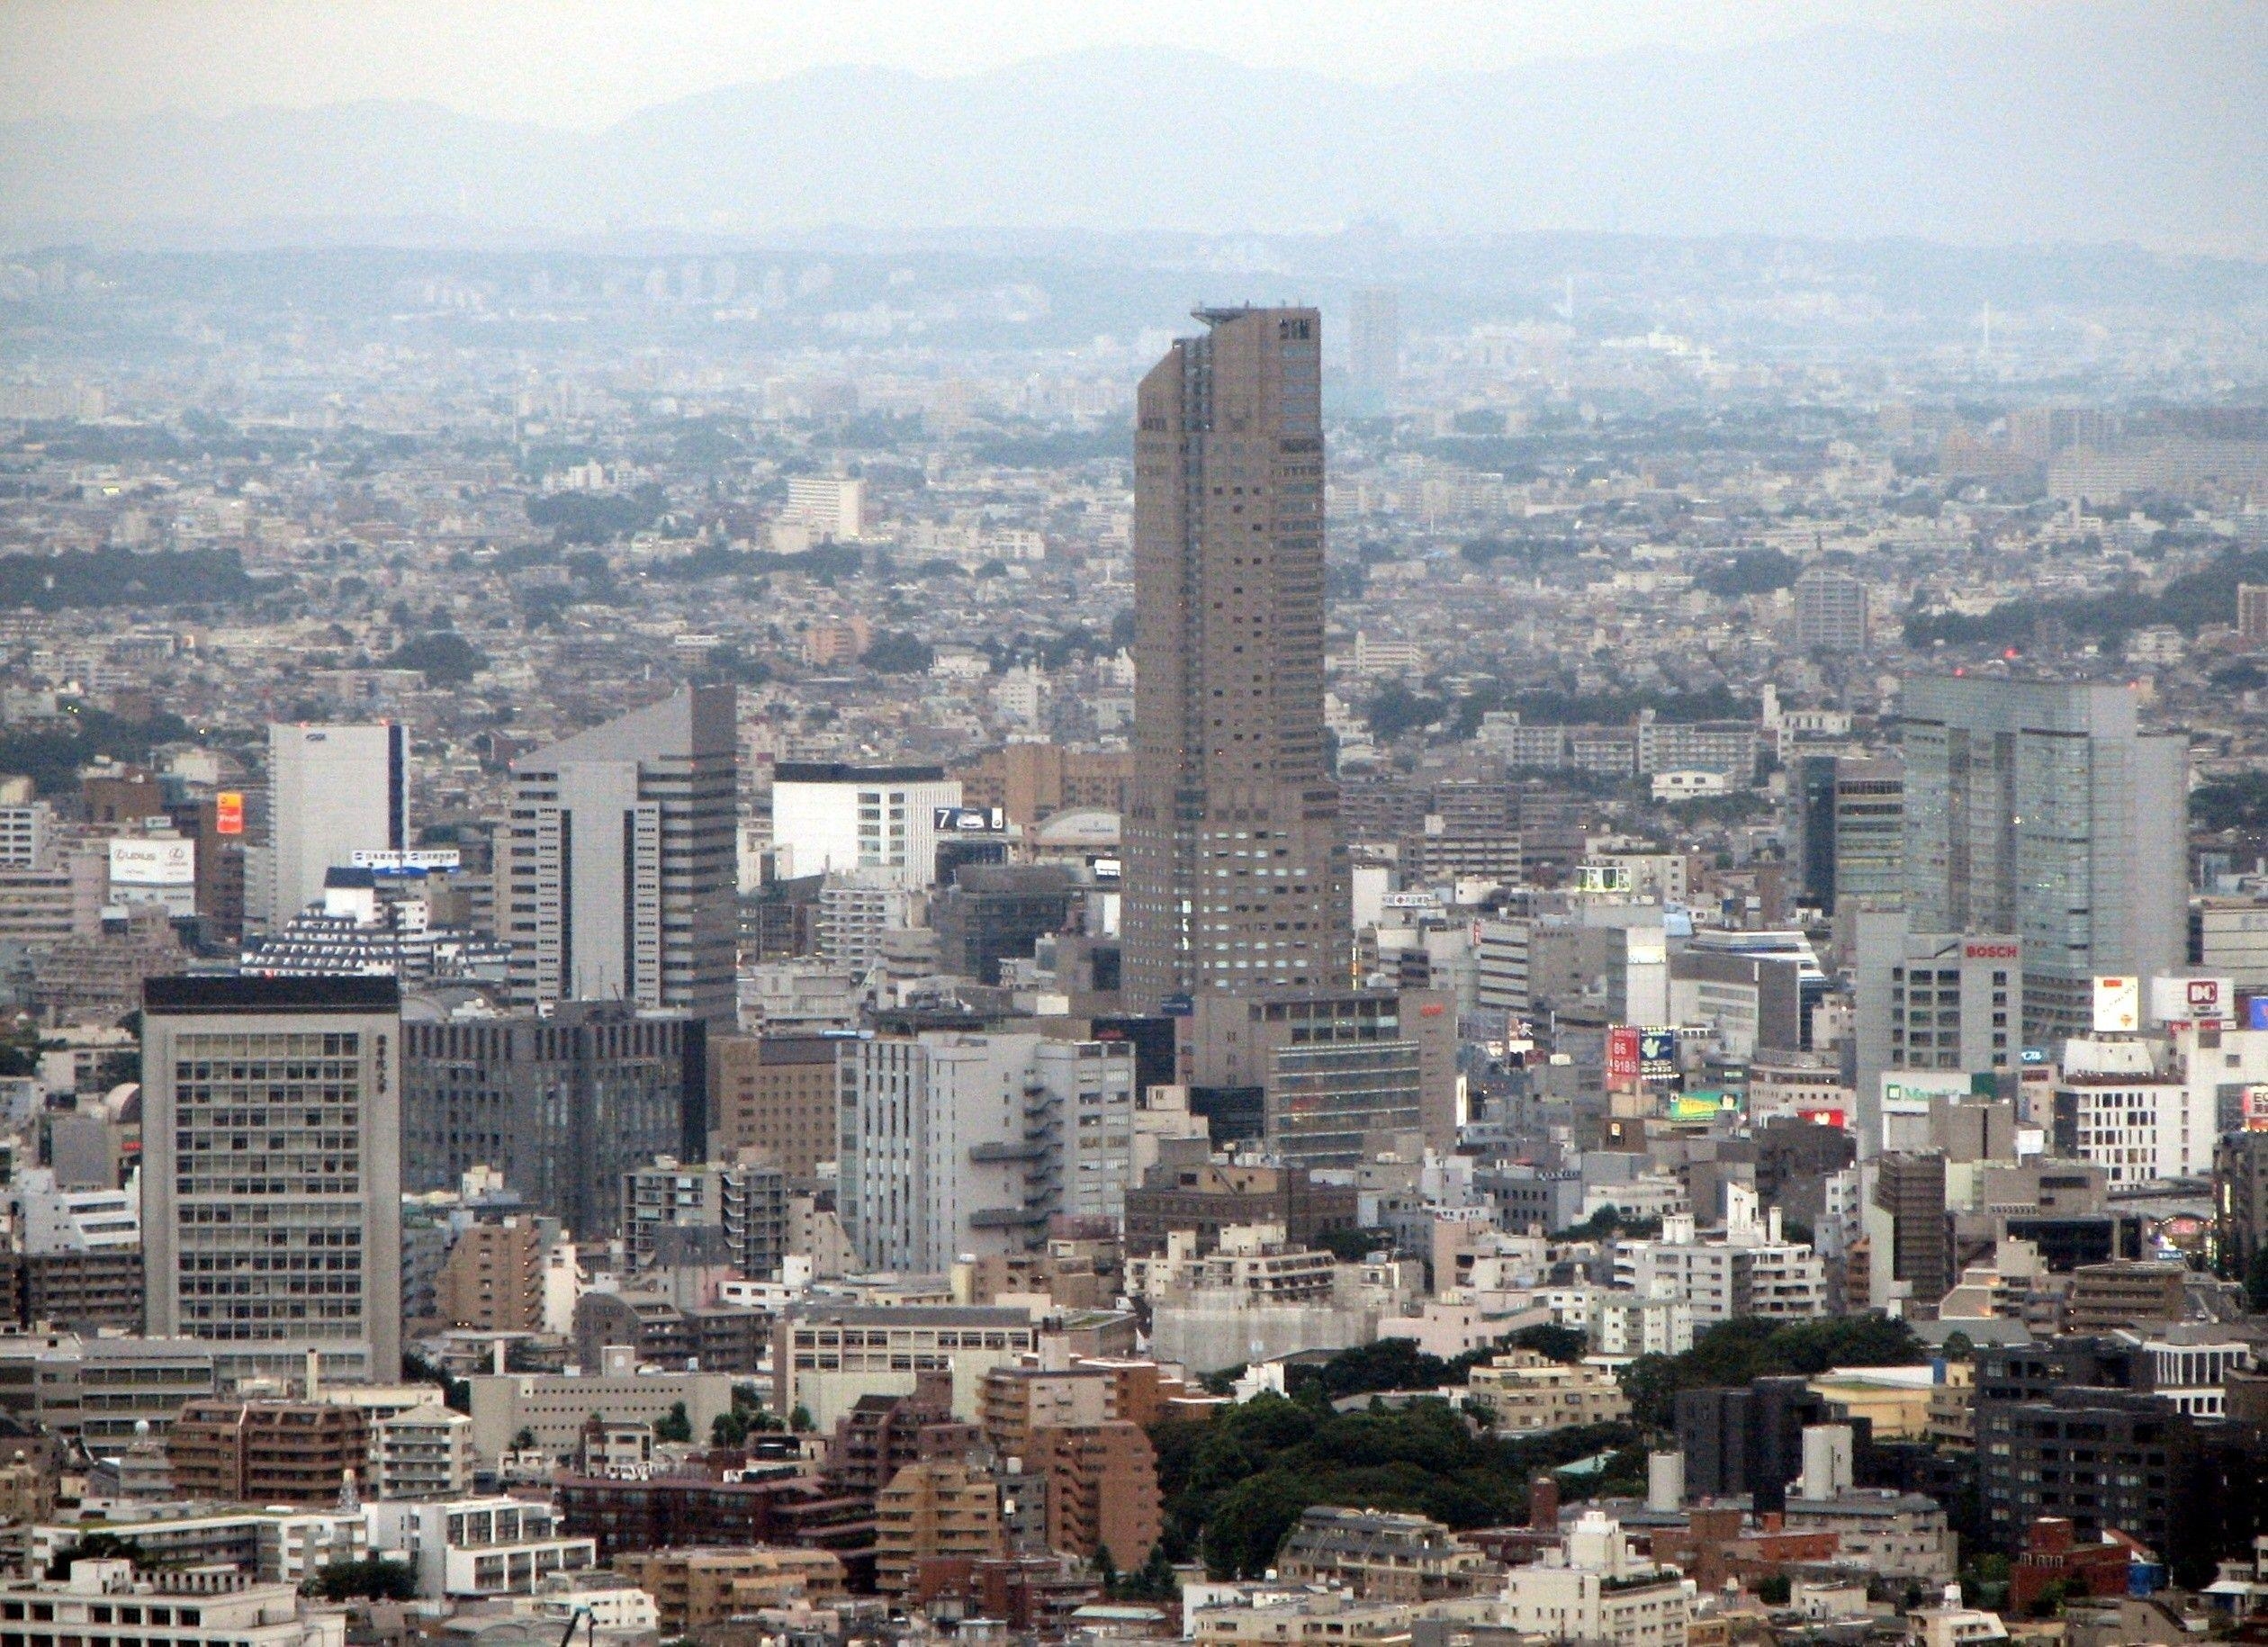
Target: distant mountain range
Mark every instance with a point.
(2055, 130)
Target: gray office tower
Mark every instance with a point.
(1236, 874)
(563, 1105)
(619, 866)
(1374, 347)
(272, 1171)
(2035, 808)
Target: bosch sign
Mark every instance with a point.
(1992, 952)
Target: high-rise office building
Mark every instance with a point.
(563, 1105)
(1373, 346)
(1850, 832)
(954, 1144)
(333, 791)
(1947, 1002)
(831, 818)
(620, 861)
(1237, 863)
(2036, 808)
(272, 1170)
(1830, 610)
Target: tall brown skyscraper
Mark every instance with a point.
(1237, 862)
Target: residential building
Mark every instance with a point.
(939, 1510)
(269, 1546)
(470, 1549)
(53, 1218)
(1237, 867)
(620, 863)
(2106, 1297)
(713, 1213)
(267, 1452)
(1383, 1555)
(194, 1609)
(493, 1281)
(1594, 1589)
(1623, 1328)
(1019, 1401)
(1896, 1534)
(333, 791)
(1745, 1269)
(1830, 610)
(1527, 1393)
(272, 1170)
(1101, 1490)
(423, 1452)
(694, 1590)
(2027, 801)
(775, 1505)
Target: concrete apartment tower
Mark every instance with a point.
(2036, 808)
(271, 1173)
(620, 861)
(1237, 859)
(333, 791)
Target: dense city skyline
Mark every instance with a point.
(1365, 825)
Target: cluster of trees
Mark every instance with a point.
(445, 657)
(373, 1577)
(120, 577)
(746, 1419)
(52, 755)
(895, 653)
(2189, 602)
(1398, 1364)
(1057, 449)
(1234, 1487)
(1757, 572)
(2236, 802)
(1741, 1351)
(597, 518)
(1610, 1223)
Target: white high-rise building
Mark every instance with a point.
(952, 1144)
(830, 818)
(1748, 1268)
(333, 791)
(831, 506)
(620, 860)
(272, 1171)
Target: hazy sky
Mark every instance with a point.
(588, 62)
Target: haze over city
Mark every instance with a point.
(1407, 826)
